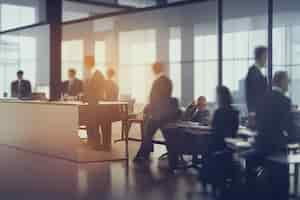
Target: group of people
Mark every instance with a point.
(107, 88)
(94, 88)
(95, 81)
(163, 108)
(270, 106)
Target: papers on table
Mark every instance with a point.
(238, 143)
(243, 131)
(187, 124)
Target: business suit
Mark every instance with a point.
(161, 89)
(158, 116)
(193, 114)
(161, 109)
(274, 120)
(111, 90)
(21, 89)
(93, 93)
(72, 88)
(256, 86)
(275, 130)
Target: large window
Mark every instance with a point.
(205, 66)
(72, 57)
(26, 50)
(175, 60)
(245, 28)
(137, 51)
(100, 55)
(286, 43)
(19, 13)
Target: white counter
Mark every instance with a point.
(43, 127)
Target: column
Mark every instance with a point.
(187, 55)
(54, 17)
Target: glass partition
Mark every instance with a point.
(286, 43)
(16, 13)
(26, 50)
(245, 28)
(133, 42)
(79, 10)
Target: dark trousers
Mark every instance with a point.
(270, 183)
(93, 126)
(150, 128)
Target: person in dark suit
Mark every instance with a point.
(225, 122)
(256, 82)
(162, 108)
(275, 130)
(198, 112)
(274, 117)
(94, 92)
(73, 86)
(21, 88)
(111, 87)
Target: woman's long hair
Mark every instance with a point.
(224, 97)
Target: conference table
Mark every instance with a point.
(51, 127)
(191, 133)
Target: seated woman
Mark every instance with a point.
(225, 124)
(225, 121)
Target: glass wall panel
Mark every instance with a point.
(16, 13)
(286, 43)
(26, 50)
(72, 57)
(173, 36)
(245, 28)
(78, 10)
(175, 60)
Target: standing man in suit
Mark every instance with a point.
(162, 108)
(275, 130)
(94, 92)
(21, 88)
(73, 86)
(256, 82)
(111, 87)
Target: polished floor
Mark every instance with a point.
(28, 176)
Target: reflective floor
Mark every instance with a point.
(28, 176)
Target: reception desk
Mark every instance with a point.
(51, 128)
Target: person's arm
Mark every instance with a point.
(12, 90)
(80, 89)
(206, 118)
(29, 89)
(288, 124)
(236, 124)
(253, 85)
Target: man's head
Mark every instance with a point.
(281, 80)
(201, 103)
(260, 55)
(110, 73)
(89, 63)
(157, 68)
(71, 74)
(20, 74)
